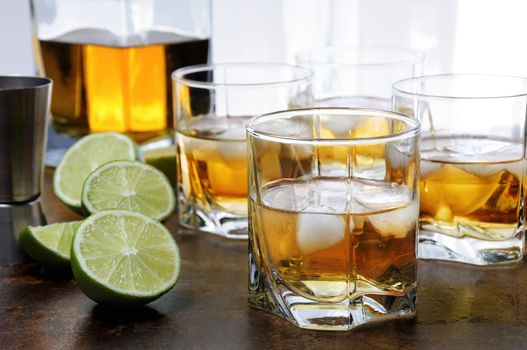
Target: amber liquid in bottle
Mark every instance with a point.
(116, 88)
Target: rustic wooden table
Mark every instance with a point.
(459, 307)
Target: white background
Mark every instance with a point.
(478, 36)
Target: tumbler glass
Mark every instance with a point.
(360, 76)
(333, 210)
(212, 106)
(472, 165)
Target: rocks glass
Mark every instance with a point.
(212, 105)
(359, 76)
(472, 165)
(333, 209)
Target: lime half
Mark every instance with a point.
(131, 186)
(83, 157)
(49, 244)
(124, 258)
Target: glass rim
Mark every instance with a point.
(23, 82)
(417, 56)
(178, 75)
(415, 126)
(397, 88)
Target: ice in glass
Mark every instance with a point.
(333, 216)
(472, 165)
(213, 104)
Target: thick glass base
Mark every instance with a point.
(356, 311)
(213, 221)
(434, 245)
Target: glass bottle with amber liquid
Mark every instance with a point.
(111, 61)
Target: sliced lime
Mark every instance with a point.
(129, 185)
(49, 244)
(124, 258)
(163, 159)
(83, 157)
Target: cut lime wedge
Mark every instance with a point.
(83, 157)
(124, 258)
(163, 159)
(49, 244)
(131, 186)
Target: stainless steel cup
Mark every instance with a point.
(24, 108)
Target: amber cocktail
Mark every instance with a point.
(472, 165)
(333, 209)
(213, 104)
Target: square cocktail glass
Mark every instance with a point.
(333, 209)
(212, 105)
(472, 165)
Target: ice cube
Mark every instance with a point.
(492, 158)
(233, 151)
(339, 126)
(376, 197)
(375, 170)
(428, 167)
(481, 169)
(316, 232)
(331, 197)
(282, 198)
(288, 127)
(217, 139)
(483, 150)
(229, 151)
(480, 157)
(395, 158)
(396, 222)
(203, 149)
(234, 148)
(485, 170)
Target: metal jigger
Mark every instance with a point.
(24, 108)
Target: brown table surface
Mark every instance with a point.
(459, 307)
